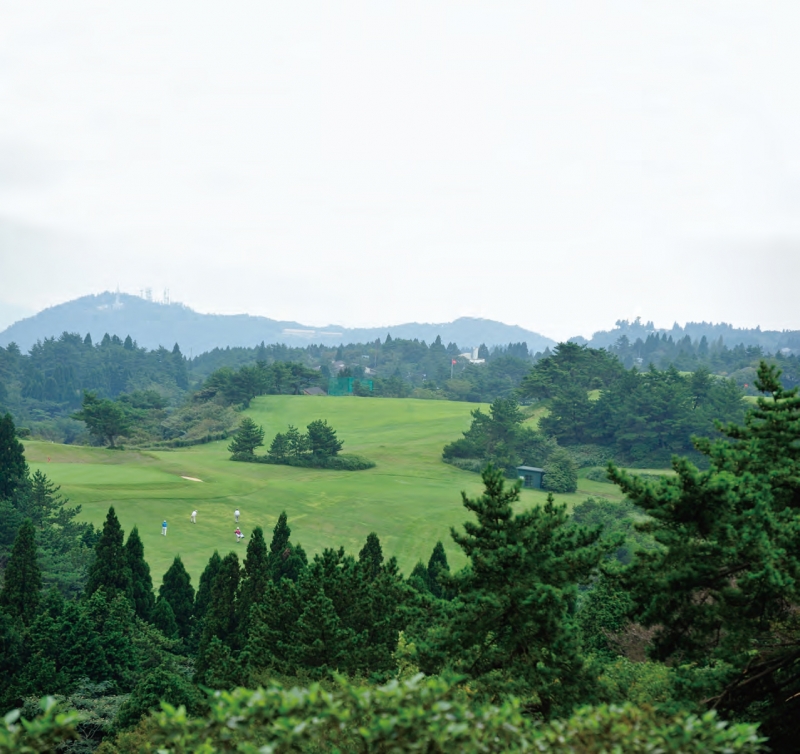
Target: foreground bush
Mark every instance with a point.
(427, 715)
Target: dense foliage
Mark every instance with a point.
(642, 417)
(721, 590)
(43, 388)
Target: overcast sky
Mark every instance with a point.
(556, 165)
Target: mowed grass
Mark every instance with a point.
(411, 498)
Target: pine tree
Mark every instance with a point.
(220, 620)
(110, 568)
(418, 578)
(180, 371)
(143, 597)
(280, 537)
(255, 577)
(202, 599)
(320, 642)
(285, 561)
(13, 469)
(176, 588)
(273, 623)
(511, 628)
(279, 448)
(23, 579)
(163, 618)
(248, 437)
(438, 567)
(371, 556)
(722, 588)
(322, 441)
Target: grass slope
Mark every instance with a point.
(411, 498)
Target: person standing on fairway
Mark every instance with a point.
(164, 528)
(239, 535)
(194, 517)
(236, 515)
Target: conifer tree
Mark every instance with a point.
(176, 588)
(371, 556)
(273, 623)
(163, 618)
(13, 469)
(220, 620)
(203, 597)
(248, 437)
(722, 588)
(437, 567)
(320, 642)
(511, 628)
(285, 560)
(49, 513)
(110, 568)
(418, 577)
(23, 579)
(322, 441)
(143, 597)
(280, 537)
(255, 576)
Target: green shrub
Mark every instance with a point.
(342, 462)
(430, 715)
(417, 715)
(597, 474)
(560, 472)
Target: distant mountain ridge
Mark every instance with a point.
(153, 324)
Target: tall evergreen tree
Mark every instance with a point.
(272, 628)
(176, 588)
(371, 556)
(110, 568)
(23, 579)
(438, 567)
(248, 437)
(255, 576)
(320, 642)
(203, 597)
(322, 441)
(722, 588)
(220, 620)
(163, 618)
(143, 598)
(285, 560)
(13, 469)
(511, 628)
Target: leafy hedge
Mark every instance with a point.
(342, 462)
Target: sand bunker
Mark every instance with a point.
(191, 478)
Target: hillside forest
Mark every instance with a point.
(635, 626)
(608, 399)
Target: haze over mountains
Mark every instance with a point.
(154, 324)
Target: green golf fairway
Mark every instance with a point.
(411, 498)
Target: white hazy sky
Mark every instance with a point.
(557, 165)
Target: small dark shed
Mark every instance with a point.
(530, 476)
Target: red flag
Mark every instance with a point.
(454, 361)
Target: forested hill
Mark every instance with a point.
(627, 333)
(153, 324)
